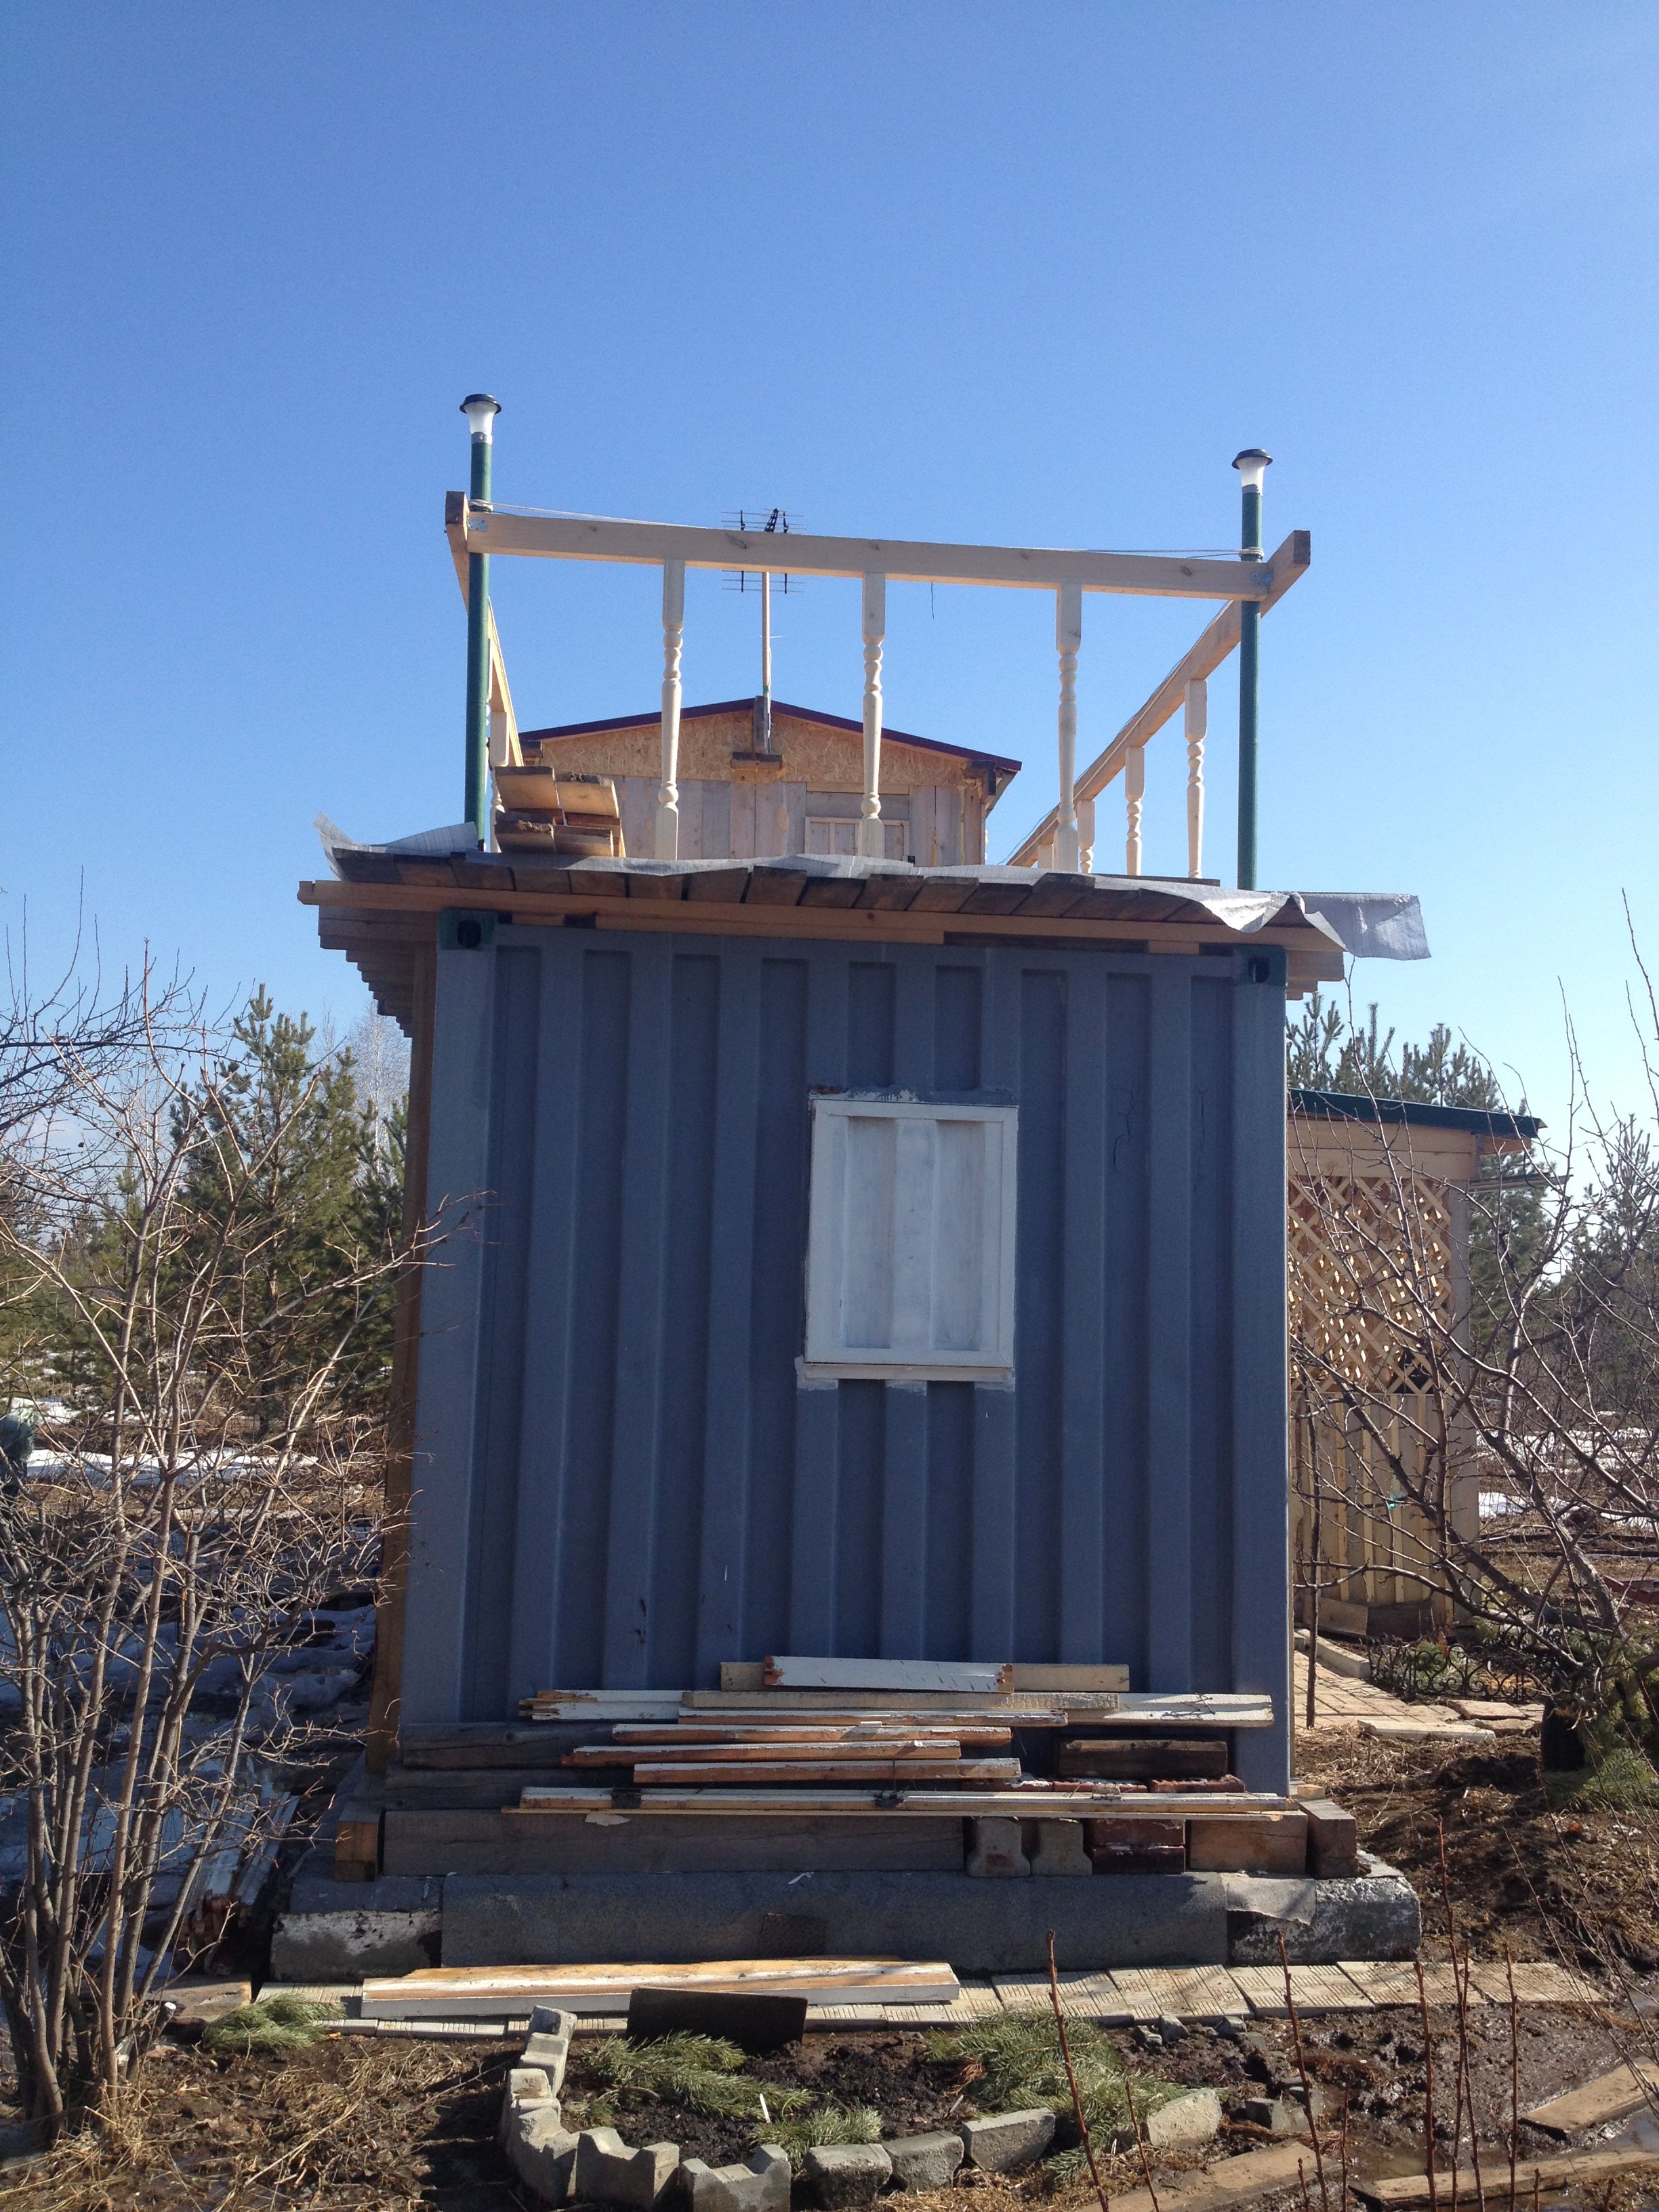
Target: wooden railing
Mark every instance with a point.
(1065, 838)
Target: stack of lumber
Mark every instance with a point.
(866, 1751)
(592, 1991)
(538, 811)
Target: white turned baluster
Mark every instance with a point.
(1197, 715)
(673, 636)
(1085, 836)
(1134, 791)
(872, 842)
(1068, 639)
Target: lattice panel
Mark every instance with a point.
(1371, 1258)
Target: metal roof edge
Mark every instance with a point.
(1413, 1113)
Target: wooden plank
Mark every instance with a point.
(984, 1736)
(1540, 2177)
(907, 1772)
(917, 924)
(1059, 1709)
(1270, 1843)
(511, 1841)
(484, 1992)
(900, 1675)
(1082, 1996)
(1025, 568)
(1332, 1839)
(1114, 1678)
(1609, 2097)
(1140, 1759)
(1229, 2182)
(788, 1750)
(742, 1803)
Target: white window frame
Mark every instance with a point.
(829, 1356)
(896, 835)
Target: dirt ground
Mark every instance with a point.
(356, 2124)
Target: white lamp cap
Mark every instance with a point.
(1252, 466)
(481, 410)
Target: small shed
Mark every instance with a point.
(758, 778)
(1379, 1198)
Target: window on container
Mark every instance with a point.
(834, 833)
(910, 1249)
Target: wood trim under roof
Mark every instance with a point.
(387, 905)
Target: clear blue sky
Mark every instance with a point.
(931, 267)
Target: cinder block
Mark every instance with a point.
(759, 2185)
(1061, 1849)
(611, 2169)
(994, 1848)
(1008, 2140)
(845, 2176)
(925, 2162)
(540, 2149)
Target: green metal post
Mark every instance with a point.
(481, 411)
(1250, 464)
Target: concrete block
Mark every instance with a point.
(541, 2150)
(1061, 1849)
(759, 2185)
(844, 2176)
(1186, 2123)
(921, 2162)
(1375, 1916)
(1276, 2114)
(981, 1926)
(198, 1999)
(551, 2047)
(609, 2170)
(1008, 2140)
(994, 1850)
(529, 2085)
(340, 1931)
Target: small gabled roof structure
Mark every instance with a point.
(995, 769)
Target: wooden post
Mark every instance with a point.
(385, 1694)
(872, 841)
(1068, 639)
(673, 635)
(1198, 716)
(1085, 836)
(1135, 793)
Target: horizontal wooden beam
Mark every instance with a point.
(576, 538)
(1201, 660)
(870, 925)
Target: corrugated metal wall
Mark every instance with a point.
(621, 1481)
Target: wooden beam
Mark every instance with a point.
(500, 690)
(867, 924)
(582, 538)
(1199, 661)
(384, 1696)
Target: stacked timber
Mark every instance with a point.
(835, 1765)
(538, 811)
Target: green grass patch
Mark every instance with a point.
(1624, 1782)
(279, 2023)
(1022, 2067)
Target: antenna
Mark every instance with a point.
(748, 521)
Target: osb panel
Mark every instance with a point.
(826, 759)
